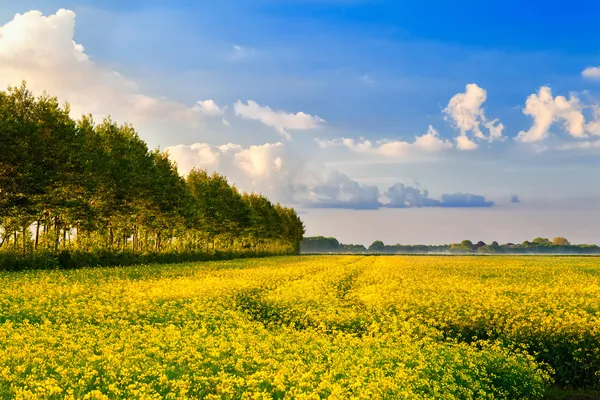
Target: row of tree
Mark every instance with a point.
(70, 184)
(558, 245)
(320, 244)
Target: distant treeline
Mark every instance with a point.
(558, 245)
(74, 188)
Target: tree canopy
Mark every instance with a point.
(70, 184)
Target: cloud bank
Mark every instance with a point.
(401, 196)
(41, 50)
(430, 142)
(274, 170)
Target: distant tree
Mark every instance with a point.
(560, 241)
(467, 244)
(495, 244)
(540, 240)
(377, 246)
(320, 244)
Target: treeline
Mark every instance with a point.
(558, 245)
(74, 188)
(320, 244)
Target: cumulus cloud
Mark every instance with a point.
(277, 172)
(429, 142)
(593, 126)
(280, 120)
(401, 196)
(264, 168)
(210, 108)
(546, 110)
(464, 143)
(41, 50)
(465, 112)
(591, 72)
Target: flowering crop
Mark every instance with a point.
(303, 327)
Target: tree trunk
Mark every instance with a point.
(158, 242)
(64, 238)
(77, 234)
(24, 239)
(37, 235)
(57, 234)
(110, 236)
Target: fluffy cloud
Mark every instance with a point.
(266, 168)
(593, 126)
(464, 143)
(429, 142)
(210, 108)
(280, 120)
(277, 172)
(591, 72)
(41, 50)
(401, 196)
(465, 112)
(545, 110)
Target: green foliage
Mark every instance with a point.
(76, 187)
(559, 245)
(560, 241)
(377, 246)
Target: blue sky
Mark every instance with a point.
(365, 73)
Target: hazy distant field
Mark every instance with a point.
(304, 327)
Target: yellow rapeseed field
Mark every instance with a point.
(304, 328)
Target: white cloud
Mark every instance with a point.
(464, 143)
(210, 108)
(429, 142)
(591, 72)
(270, 168)
(465, 112)
(40, 50)
(593, 126)
(333, 189)
(280, 120)
(275, 171)
(545, 110)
